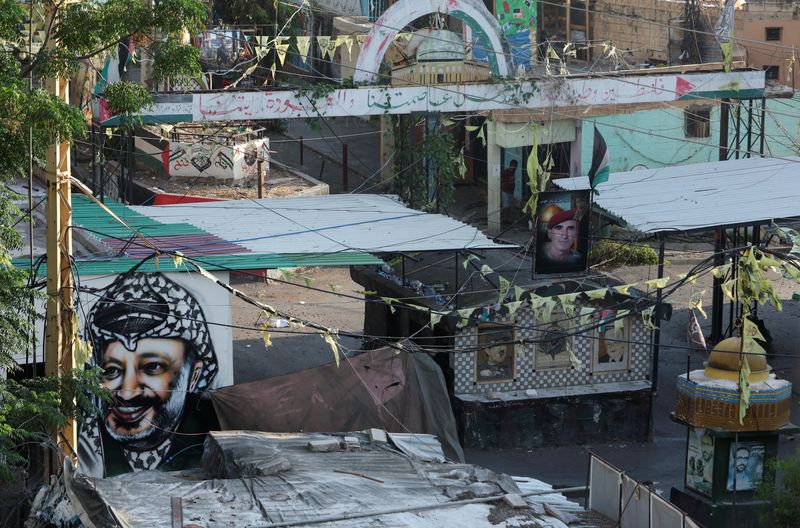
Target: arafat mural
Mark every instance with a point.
(161, 342)
(205, 159)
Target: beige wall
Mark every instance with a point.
(753, 18)
(648, 38)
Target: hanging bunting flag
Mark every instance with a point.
(348, 42)
(518, 291)
(696, 302)
(435, 318)
(723, 31)
(601, 160)
(463, 317)
(323, 41)
(281, 47)
(619, 321)
(744, 388)
(504, 287)
(657, 284)
(567, 301)
(597, 295)
(513, 307)
(328, 337)
(361, 39)
(586, 316)
(303, 44)
(694, 334)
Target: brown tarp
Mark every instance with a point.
(397, 392)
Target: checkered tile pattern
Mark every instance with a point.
(526, 376)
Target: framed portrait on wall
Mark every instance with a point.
(611, 345)
(700, 460)
(562, 236)
(552, 342)
(494, 359)
(745, 466)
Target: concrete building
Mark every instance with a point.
(770, 31)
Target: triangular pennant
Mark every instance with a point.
(696, 302)
(518, 292)
(586, 316)
(657, 284)
(619, 321)
(694, 334)
(361, 39)
(513, 307)
(348, 41)
(597, 295)
(281, 47)
(323, 41)
(567, 301)
(435, 318)
(303, 44)
(463, 317)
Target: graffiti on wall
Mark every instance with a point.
(152, 340)
(247, 156)
(212, 160)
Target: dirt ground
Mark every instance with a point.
(278, 183)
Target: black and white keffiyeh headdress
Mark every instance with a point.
(149, 305)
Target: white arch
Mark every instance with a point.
(402, 13)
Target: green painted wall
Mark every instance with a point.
(657, 138)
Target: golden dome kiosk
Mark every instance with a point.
(726, 458)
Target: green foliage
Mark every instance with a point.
(29, 409)
(127, 98)
(175, 60)
(783, 495)
(611, 254)
(411, 178)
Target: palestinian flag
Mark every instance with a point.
(598, 173)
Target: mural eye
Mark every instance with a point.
(111, 373)
(153, 368)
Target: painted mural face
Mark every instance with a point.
(149, 386)
(151, 340)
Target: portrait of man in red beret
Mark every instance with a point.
(562, 239)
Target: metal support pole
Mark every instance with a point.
(344, 167)
(656, 336)
(761, 132)
(717, 298)
(102, 168)
(260, 168)
(724, 113)
(321, 170)
(301, 151)
(749, 128)
(457, 286)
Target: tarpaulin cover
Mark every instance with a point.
(382, 389)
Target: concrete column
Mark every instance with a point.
(493, 168)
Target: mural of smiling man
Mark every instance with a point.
(151, 340)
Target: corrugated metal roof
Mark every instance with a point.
(324, 224)
(700, 196)
(115, 249)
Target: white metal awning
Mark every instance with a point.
(700, 196)
(325, 224)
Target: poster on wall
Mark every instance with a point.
(552, 342)
(158, 354)
(745, 466)
(562, 238)
(700, 461)
(494, 360)
(611, 344)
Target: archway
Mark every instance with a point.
(399, 15)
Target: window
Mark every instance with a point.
(772, 73)
(697, 121)
(772, 33)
